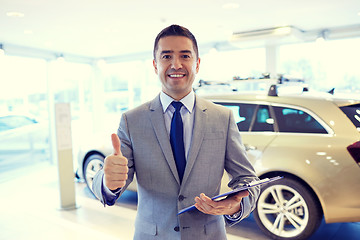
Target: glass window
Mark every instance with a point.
(298, 121)
(224, 65)
(23, 98)
(327, 65)
(243, 114)
(263, 121)
(126, 90)
(246, 112)
(353, 113)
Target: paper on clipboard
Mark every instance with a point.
(242, 188)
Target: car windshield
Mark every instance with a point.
(353, 113)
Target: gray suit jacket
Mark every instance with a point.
(216, 146)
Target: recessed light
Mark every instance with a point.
(230, 6)
(48, 44)
(28, 32)
(15, 14)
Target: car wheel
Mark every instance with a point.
(287, 210)
(92, 165)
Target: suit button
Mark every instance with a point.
(176, 229)
(181, 197)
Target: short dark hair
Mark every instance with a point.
(176, 30)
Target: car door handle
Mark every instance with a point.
(249, 147)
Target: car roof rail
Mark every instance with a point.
(274, 83)
(273, 91)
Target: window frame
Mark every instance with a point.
(271, 115)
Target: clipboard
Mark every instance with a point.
(242, 188)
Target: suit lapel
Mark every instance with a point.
(158, 123)
(200, 120)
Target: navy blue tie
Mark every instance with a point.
(177, 139)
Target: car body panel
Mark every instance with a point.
(322, 167)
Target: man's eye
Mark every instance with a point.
(186, 56)
(166, 56)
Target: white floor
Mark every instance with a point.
(30, 209)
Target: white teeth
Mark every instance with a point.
(176, 75)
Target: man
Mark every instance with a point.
(169, 179)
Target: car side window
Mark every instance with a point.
(298, 121)
(353, 113)
(263, 122)
(243, 114)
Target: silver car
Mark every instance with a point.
(312, 141)
(22, 133)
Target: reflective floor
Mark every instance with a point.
(30, 209)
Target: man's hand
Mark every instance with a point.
(115, 166)
(227, 206)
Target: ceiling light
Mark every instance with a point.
(282, 30)
(60, 58)
(101, 63)
(230, 6)
(15, 14)
(28, 32)
(320, 40)
(213, 50)
(48, 44)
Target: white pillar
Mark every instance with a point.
(51, 111)
(65, 157)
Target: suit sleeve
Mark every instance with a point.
(239, 168)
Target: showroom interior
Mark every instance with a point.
(69, 69)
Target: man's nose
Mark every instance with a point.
(176, 63)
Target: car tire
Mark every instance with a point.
(287, 210)
(91, 166)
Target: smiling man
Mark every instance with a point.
(178, 146)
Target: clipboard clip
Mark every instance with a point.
(259, 182)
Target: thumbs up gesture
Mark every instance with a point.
(115, 166)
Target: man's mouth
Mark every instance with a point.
(176, 75)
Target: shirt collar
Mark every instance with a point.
(188, 101)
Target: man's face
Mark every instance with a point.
(176, 64)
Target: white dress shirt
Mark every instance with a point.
(187, 114)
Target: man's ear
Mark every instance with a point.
(197, 65)
(155, 66)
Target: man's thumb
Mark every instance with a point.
(116, 144)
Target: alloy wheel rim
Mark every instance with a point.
(91, 169)
(283, 211)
